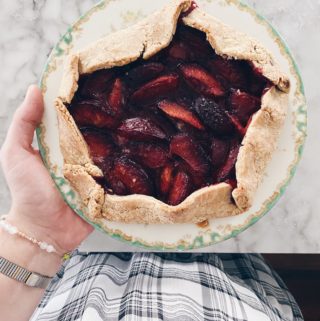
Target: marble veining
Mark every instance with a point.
(29, 30)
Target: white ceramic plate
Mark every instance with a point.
(109, 16)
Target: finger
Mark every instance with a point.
(25, 120)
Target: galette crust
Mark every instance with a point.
(69, 84)
(231, 43)
(258, 146)
(73, 146)
(145, 39)
(203, 204)
(91, 193)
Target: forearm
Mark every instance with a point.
(37, 211)
(18, 301)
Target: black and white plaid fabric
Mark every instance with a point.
(171, 287)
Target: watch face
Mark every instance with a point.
(33, 280)
(38, 281)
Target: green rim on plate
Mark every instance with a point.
(198, 242)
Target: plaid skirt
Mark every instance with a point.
(167, 286)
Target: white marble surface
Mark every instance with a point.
(29, 29)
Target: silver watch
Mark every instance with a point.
(22, 275)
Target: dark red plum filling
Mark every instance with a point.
(169, 125)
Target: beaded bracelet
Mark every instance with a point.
(42, 245)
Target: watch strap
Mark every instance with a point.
(20, 274)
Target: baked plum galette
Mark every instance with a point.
(170, 121)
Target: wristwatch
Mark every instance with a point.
(22, 275)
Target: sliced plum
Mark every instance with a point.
(231, 71)
(180, 188)
(87, 113)
(219, 151)
(116, 99)
(99, 143)
(144, 72)
(180, 112)
(132, 175)
(192, 153)
(243, 105)
(140, 129)
(201, 81)
(226, 169)
(166, 176)
(95, 84)
(148, 154)
(155, 88)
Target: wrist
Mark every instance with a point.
(36, 229)
(28, 255)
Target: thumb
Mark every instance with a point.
(25, 120)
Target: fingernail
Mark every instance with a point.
(29, 91)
